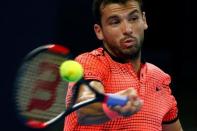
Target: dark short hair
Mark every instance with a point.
(98, 3)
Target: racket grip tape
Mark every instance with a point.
(113, 100)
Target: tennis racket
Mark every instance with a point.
(40, 92)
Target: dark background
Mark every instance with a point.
(169, 43)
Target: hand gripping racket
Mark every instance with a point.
(40, 92)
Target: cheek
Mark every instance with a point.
(139, 35)
(139, 31)
(112, 35)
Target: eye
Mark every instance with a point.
(133, 18)
(114, 22)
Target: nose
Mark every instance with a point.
(126, 28)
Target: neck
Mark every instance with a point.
(135, 61)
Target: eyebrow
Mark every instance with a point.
(134, 11)
(115, 16)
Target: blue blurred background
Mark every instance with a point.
(169, 43)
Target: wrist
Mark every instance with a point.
(110, 113)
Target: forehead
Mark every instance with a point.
(114, 8)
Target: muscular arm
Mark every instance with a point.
(176, 126)
(94, 114)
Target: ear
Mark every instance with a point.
(144, 20)
(98, 31)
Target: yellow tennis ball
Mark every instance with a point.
(71, 71)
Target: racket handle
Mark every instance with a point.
(113, 100)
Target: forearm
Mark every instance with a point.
(99, 113)
(176, 126)
(92, 114)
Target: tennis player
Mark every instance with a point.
(117, 68)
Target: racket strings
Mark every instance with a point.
(73, 93)
(40, 93)
(71, 97)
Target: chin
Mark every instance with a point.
(133, 54)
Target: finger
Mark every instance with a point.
(132, 107)
(132, 92)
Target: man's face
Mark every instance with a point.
(122, 28)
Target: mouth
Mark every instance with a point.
(127, 43)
